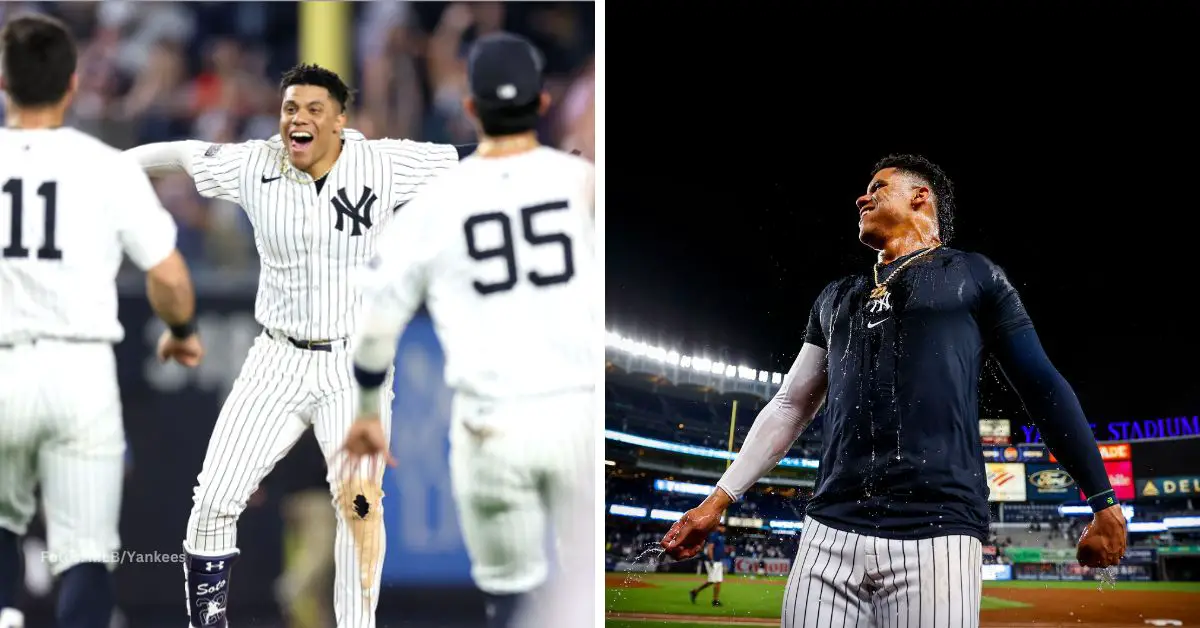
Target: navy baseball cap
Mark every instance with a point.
(504, 70)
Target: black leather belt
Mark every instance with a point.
(310, 345)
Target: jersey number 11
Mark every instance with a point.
(506, 251)
(49, 193)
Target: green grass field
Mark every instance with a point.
(746, 597)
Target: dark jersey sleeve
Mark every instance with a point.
(815, 334)
(465, 150)
(1001, 312)
(1047, 396)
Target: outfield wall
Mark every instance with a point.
(1035, 563)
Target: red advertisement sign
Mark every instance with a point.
(1120, 475)
(774, 566)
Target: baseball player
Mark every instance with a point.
(70, 208)
(500, 250)
(319, 197)
(893, 533)
(714, 551)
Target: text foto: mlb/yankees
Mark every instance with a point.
(124, 557)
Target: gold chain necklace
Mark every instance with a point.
(881, 290)
(286, 169)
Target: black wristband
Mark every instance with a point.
(183, 331)
(1102, 500)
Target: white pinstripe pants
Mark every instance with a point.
(60, 426)
(519, 467)
(844, 579)
(280, 392)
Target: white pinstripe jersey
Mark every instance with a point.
(501, 250)
(70, 206)
(310, 242)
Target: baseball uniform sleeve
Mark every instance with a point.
(814, 334)
(217, 169)
(146, 230)
(1048, 398)
(393, 287)
(1000, 311)
(164, 158)
(415, 164)
(779, 423)
(1056, 411)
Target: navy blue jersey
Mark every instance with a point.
(902, 454)
(717, 541)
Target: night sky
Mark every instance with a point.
(733, 162)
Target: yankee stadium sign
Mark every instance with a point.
(1130, 430)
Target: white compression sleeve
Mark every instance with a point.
(164, 158)
(375, 343)
(780, 423)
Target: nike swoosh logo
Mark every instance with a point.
(266, 180)
(875, 324)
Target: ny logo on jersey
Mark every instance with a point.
(359, 212)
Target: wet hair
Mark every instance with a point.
(315, 75)
(508, 120)
(931, 174)
(39, 60)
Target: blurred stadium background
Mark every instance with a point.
(161, 71)
(674, 420)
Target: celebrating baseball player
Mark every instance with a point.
(501, 251)
(893, 532)
(72, 207)
(319, 197)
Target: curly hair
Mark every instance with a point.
(935, 177)
(312, 74)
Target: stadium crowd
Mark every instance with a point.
(163, 71)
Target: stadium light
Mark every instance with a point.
(693, 450)
(702, 365)
(1147, 526)
(627, 511)
(787, 525)
(671, 486)
(1082, 511)
(1181, 522)
(665, 515)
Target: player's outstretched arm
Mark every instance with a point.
(775, 429)
(148, 234)
(374, 352)
(393, 286)
(1055, 409)
(164, 158)
(216, 169)
(173, 298)
(1052, 406)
